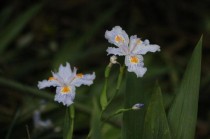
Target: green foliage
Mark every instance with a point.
(183, 112)
(105, 102)
(103, 97)
(136, 92)
(155, 122)
(95, 122)
(182, 115)
(79, 39)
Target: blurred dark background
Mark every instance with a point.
(37, 36)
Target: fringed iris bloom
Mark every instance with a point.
(66, 81)
(132, 49)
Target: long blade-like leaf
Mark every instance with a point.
(136, 92)
(95, 122)
(156, 124)
(183, 112)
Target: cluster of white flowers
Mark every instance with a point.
(66, 81)
(132, 49)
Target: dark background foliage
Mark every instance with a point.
(73, 31)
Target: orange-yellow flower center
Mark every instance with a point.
(79, 75)
(119, 39)
(134, 59)
(65, 90)
(51, 78)
(138, 41)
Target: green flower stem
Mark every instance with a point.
(72, 121)
(103, 97)
(119, 81)
(118, 112)
(68, 128)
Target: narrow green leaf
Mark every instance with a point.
(183, 112)
(11, 31)
(156, 124)
(136, 92)
(95, 122)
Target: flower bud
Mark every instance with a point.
(137, 106)
(113, 59)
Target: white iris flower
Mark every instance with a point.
(132, 49)
(66, 81)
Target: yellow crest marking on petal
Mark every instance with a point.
(119, 39)
(79, 75)
(65, 90)
(138, 42)
(51, 78)
(134, 59)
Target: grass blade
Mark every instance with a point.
(183, 113)
(156, 124)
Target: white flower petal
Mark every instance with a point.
(138, 70)
(65, 72)
(137, 66)
(47, 83)
(58, 78)
(145, 47)
(86, 79)
(117, 36)
(65, 80)
(115, 51)
(134, 42)
(67, 98)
